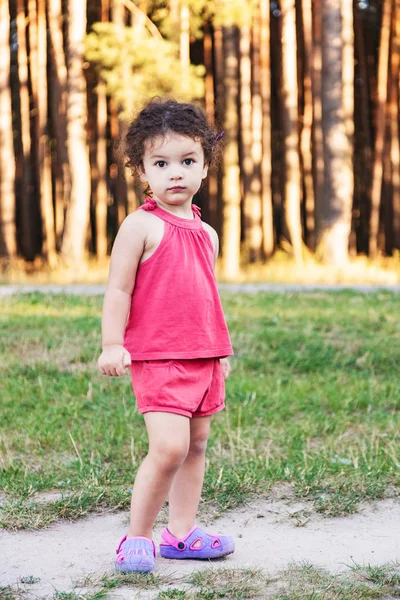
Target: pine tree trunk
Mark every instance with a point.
(265, 87)
(363, 138)
(120, 187)
(212, 179)
(184, 45)
(307, 124)
(8, 246)
(317, 140)
(46, 198)
(247, 165)
(73, 247)
(336, 215)
(377, 172)
(216, 211)
(231, 176)
(255, 236)
(101, 197)
(290, 128)
(26, 231)
(394, 122)
(58, 95)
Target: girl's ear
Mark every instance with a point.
(205, 171)
(142, 175)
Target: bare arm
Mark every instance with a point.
(125, 257)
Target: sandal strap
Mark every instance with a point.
(194, 534)
(138, 542)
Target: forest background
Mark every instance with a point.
(306, 92)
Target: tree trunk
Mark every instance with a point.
(377, 170)
(247, 165)
(307, 124)
(46, 198)
(184, 45)
(231, 177)
(255, 234)
(59, 113)
(212, 179)
(26, 232)
(7, 159)
(317, 141)
(119, 127)
(101, 191)
(77, 220)
(265, 88)
(216, 210)
(394, 122)
(338, 196)
(363, 138)
(290, 128)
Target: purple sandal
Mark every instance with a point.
(198, 544)
(135, 555)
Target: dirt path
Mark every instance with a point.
(267, 534)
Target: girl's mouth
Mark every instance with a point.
(176, 188)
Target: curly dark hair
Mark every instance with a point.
(160, 117)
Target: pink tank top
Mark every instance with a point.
(176, 310)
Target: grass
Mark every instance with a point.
(306, 582)
(300, 581)
(313, 399)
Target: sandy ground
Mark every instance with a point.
(268, 536)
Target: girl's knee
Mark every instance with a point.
(169, 454)
(198, 444)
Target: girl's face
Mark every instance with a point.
(173, 166)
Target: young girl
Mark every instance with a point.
(162, 316)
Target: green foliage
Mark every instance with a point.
(232, 12)
(162, 16)
(137, 67)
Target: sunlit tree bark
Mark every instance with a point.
(46, 198)
(212, 179)
(394, 124)
(184, 44)
(290, 128)
(216, 209)
(317, 135)
(101, 192)
(338, 185)
(58, 94)
(255, 233)
(384, 44)
(231, 177)
(265, 88)
(307, 123)
(7, 160)
(73, 247)
(26, 237)
(247, 165)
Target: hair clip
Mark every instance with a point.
(218, 137)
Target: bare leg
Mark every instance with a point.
(185, 492)
(169, 436)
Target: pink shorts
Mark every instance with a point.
(192, 388)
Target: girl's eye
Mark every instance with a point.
(188, 161)
(161, 163)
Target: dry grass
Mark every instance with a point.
(281, 269)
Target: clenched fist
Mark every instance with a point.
(114, 360)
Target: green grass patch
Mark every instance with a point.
(313, 399)
(306, 582)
